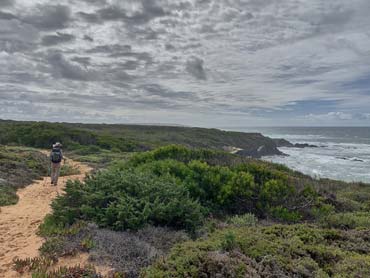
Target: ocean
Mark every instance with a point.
(343, 153)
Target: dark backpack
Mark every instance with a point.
(56, 156)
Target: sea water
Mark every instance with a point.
(343, 153)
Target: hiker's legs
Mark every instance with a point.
(56, 173)
(52, 172)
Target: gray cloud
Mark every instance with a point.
(63, 68)
(6, 16)
(85, 61)
(6, 3)
(88, 38)
(141, 55)
(89, 17)
(149, 10)
(59, 38)
(194, 67)
(50, 17)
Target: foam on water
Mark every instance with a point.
(343, 152)
(348, 162)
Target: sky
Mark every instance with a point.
(212, 63)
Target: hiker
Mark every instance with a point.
(56, 157)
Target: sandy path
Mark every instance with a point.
(19, 223)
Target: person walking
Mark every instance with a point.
(56, 157)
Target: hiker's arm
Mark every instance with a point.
(63, 158)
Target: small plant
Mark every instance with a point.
(229, 242)
(284, 214)
(87, 244)
(69, 170)
(322, 211)
(245, 220)
(348, 220)
(32, 264)
(69, 272)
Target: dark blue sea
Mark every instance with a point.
(343, 153)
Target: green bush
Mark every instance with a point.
(154, 188)
(69, 170)
(245, 220)
(284, 214)
(348, 220)
(228, 242)
(19, 167)
(128, 200)
(274, 251)
(8, 195)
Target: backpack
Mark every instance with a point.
(56, 156)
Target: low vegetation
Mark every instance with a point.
(19, 166)
(184, 212)
(245, 217)
(154, 188)
(89, 139)
(274, 251)
(69, 170)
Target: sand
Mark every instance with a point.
(19, 223)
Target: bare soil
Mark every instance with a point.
(19, 223)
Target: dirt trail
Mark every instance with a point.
(19, 223)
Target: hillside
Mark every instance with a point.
(178, 212)
(18, 168)
(90, 138)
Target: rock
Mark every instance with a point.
(305, 145)
(262, 150)
(285, 143)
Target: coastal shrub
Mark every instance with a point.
(70, 272)
(128, 200)
(274, 251)
(322, 211)
(349, 220)
(32, 264)
(179, 193)
(285, 215)
(43, 135)
(245, 220)
(228, 241)
(19, 167)
(8, 195)
(69, 170)
(226, 189)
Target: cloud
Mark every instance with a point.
(6, 3)
(49, 17)
(88, 38)
(194, 67)
(59, 38)
(270, 61)
(63, 68)
(338, 115)
(6, 16)
(89, 17)
(145, 11)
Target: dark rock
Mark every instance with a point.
(262, 150)
(305, 145)
(285, 143)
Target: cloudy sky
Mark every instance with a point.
(192, 62)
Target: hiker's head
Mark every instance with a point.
(57, 145)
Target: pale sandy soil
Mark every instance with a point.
(19, 223)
